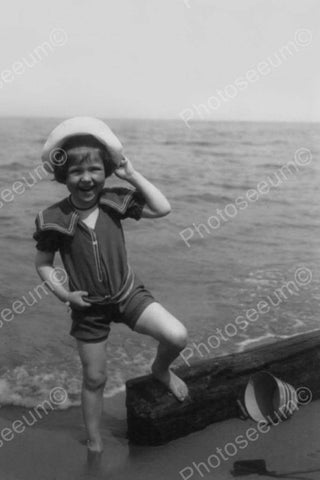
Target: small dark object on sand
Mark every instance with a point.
(247, 467)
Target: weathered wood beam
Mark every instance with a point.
(215, 386)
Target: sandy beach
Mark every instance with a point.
(53, 449)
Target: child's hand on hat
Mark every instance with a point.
(76, 301)
(125, 169)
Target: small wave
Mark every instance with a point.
(204, 143)
(241, 346)
(225, 155)
(12, 166)
(301, 226)
(24, 388)
(269, 165)
(262, 143)
(16, 238)
(114, 391)
(207, 197)
(172, 142)
(28, 387)
(248, 142)
(277, 141)
(230, 186)
(259, 281)
(278, 200)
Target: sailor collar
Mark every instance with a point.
(62, 216)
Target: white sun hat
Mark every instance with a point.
(53, 154)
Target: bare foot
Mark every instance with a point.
(95, 446)
(173, 383)
(94, 460)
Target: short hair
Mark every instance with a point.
(61, 164)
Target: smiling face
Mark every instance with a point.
(85, 175)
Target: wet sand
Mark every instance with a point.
(53, 448)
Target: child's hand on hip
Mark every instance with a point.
(76, 301)
(125, 169)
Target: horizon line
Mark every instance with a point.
(166, 119)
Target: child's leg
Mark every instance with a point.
(156, 321)
(93, 359)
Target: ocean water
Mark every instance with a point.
(210, 262)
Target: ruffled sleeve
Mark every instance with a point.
(135, 206)
(47, 240)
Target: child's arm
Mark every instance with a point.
(156, 203)
(46, 271)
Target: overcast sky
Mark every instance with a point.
(161, 59)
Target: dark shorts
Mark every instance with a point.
(93, 323)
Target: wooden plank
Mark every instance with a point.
(215, 386)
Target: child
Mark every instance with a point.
(85, 228)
